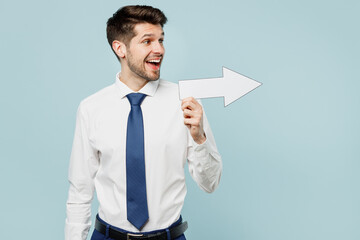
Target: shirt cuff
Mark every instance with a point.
(76, 230)
(201, 150)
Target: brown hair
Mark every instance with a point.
(121, 25)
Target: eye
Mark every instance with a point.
(161, 40)
(146, 41)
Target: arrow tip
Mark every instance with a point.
(237, 85)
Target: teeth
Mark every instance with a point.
(154, 61)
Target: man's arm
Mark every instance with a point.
(84, 163)
(204, 160)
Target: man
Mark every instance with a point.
(132, 140)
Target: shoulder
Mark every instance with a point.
(168, 87)
(98, 99)
(167, 95)
(167, 84)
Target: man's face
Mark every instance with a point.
(146, 51)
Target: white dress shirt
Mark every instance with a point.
(98, 158)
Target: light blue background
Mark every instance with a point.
(291, 148)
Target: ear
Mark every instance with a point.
(119, 48)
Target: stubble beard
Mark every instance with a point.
(139, 69)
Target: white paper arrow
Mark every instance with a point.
(231, 86)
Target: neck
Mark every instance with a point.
(134, 82)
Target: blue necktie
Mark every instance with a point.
(137, 209)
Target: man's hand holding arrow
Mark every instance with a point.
(193, 119)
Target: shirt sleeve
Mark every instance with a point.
(84, 163)
(204, 160)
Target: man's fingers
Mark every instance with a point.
(188, 113)
(191, 110)
(192, 114)
(189, 102)
(189, 99)
(189, 105)
(191, 122)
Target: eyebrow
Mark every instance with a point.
(151, 35)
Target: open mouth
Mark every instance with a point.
(154, 63)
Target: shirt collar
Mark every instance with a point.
(149, 89)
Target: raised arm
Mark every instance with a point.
(204, 160)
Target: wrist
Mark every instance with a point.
(201, 139)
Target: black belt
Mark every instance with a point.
(175, 232)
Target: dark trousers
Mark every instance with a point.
(99, 236)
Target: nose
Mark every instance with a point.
(158, 48)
